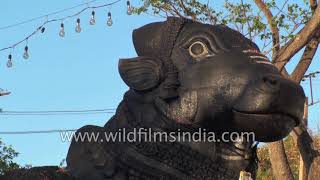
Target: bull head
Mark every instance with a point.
(212, 77)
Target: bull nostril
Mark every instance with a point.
(270, 80)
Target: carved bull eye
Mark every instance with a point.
(198, 49)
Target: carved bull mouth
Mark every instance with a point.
(282, 115)
(267, 127)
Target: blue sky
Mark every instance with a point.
(72, 73)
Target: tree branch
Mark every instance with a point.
(186, 11)
(248, 24)
(306, 59)
(313, 5)
(297, 43)
(304, 143)
(175, 10)
(273, 27)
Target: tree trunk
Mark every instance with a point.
(303, 171)
(281, 168)
(314, 172)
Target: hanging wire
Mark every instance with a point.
(41, 28)
(37, 132)
(46, 15)
(55, 113)
(61, 111)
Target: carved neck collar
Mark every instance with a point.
(195, 161)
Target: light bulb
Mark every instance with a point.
(61, 32)
(157, 10)
(93, 19)
(43, 29)
(129, 8)
(78, 27)
(26, 52)
(109, 22)
(146, 3)
(9, 62)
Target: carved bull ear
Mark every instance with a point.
(183, 110)
(141, 73)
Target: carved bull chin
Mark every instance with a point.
(188, 76)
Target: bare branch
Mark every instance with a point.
(175, 10)
(186, 11)
(305, 144)
(297, 43)
(248, 24)
(283, 40)
(306, 59)
(273, 27)
(211, 17)
(281, 11)
(282, 7)
(313, 5)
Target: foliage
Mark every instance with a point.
(265, 172)
(7, 154)
(289, 16)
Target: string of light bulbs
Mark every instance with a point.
(45, 15)
(62, 32)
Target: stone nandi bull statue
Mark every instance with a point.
(188, 76)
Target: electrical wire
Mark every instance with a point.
(61, 111)
(37, 132)
(53, 114)
(57, 113)
(46, 113)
